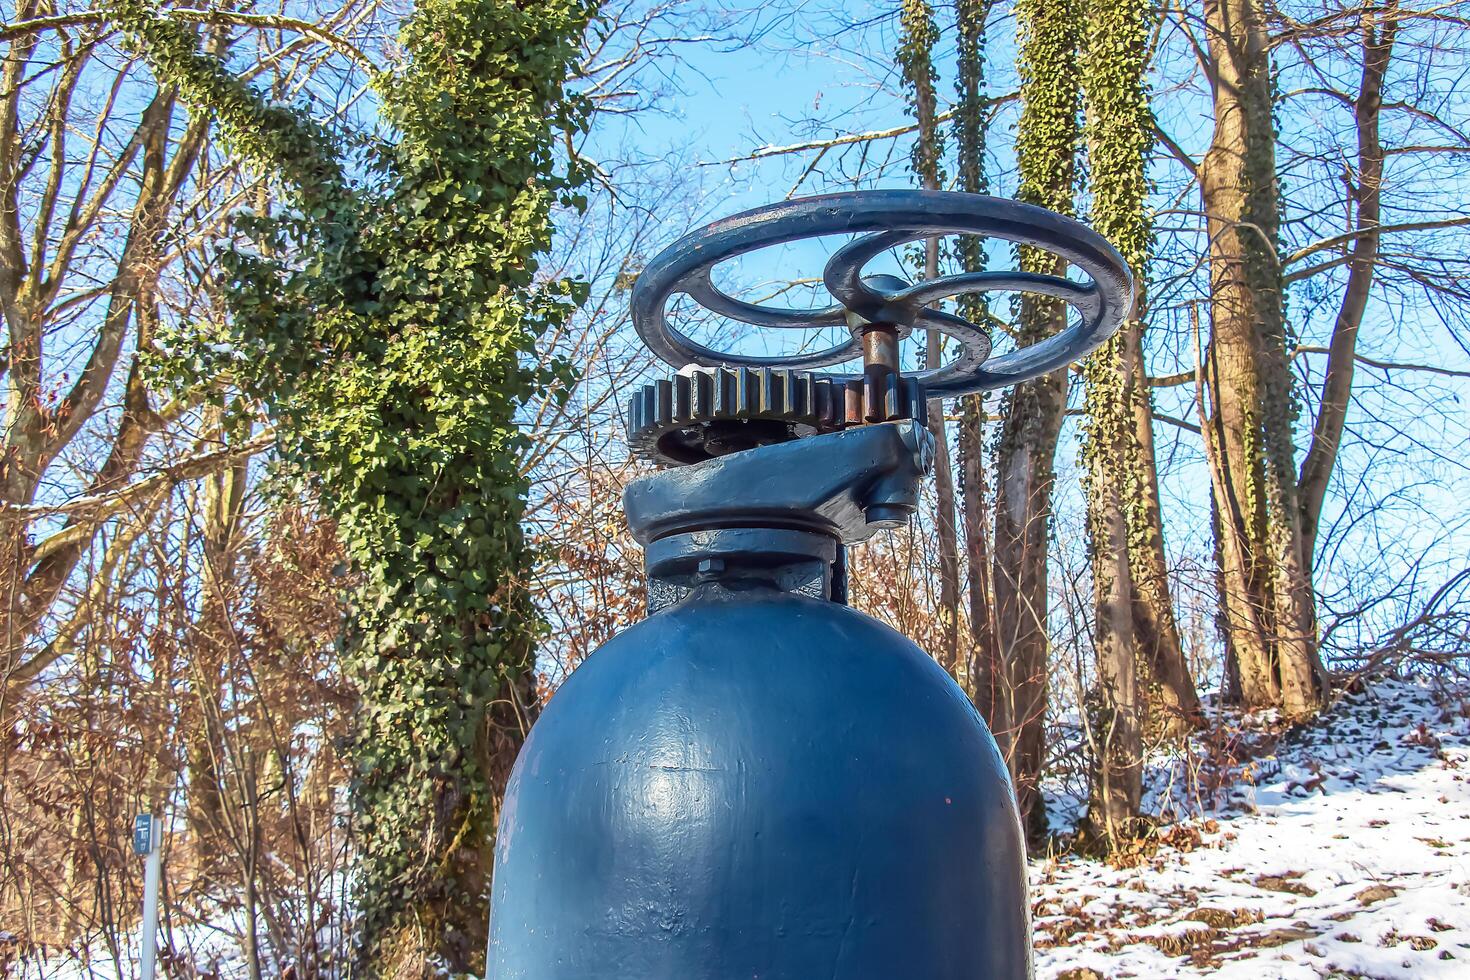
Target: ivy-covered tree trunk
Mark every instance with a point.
(1119, 133)
(1119, 407)
(916, 56)
(446, 635)
(1046, 146)
(1267, 610)
(395, 349)
(970, 131)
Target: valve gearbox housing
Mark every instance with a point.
(755, 783)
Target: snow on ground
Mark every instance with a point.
(1348, 856)
(1344, 851)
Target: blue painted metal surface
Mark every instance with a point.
(755, 782)
(758, 784)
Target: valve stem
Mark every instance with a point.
(880, 371)
(877, 396)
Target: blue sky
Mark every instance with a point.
(823, 69)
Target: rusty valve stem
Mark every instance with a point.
(877, 395)
(880, 372)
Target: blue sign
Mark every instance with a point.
(144, 839)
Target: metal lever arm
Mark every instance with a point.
(845, 485)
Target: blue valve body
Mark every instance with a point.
(757, 784)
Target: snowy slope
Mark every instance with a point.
(1345, 852)
(1348, 857)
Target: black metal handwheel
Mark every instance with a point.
(886, 219)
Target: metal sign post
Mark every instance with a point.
(148, 844)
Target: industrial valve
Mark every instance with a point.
(757, 781)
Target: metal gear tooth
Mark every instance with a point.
(799, 394)
(852, 402)
(915, 402)
(773, 395)
(749, 392)
(704, 394)
(683, 398)
(638, 420)
(736, 390)
(664, 397)
(725, 400)
(710, 411)
(873, 400)
(722, 386)
(824, 403)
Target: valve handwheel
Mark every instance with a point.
(671, 423)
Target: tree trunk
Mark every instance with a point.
(1032, 417)
(1379, 28)
(1172, 697)
(983, 658)
(971, 131)
(34, 436)
(1267, 614)
(202, 724)
(1136, 640)
(1116, 715)
(916, 56)
(1024, 475)
(944, 518)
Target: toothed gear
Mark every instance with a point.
(712, 412)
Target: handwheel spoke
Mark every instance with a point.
(974, 345)
(843, 274)
(700, 289)
(1028, 362)
(1084, 296)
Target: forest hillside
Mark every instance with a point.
(322, 390)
